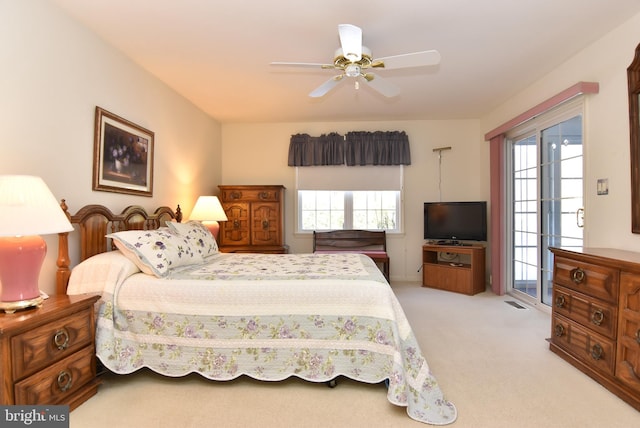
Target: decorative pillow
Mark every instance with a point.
(201, 238)
(100, 273)
(156, 251)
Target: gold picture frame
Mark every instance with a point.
(122, 155)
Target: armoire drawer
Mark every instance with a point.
(240, 194)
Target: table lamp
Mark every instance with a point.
(209, 211)
(27, 209)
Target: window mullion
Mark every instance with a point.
(348, 210)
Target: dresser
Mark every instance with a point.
(255, 219)
(48, 353)
(595, 322)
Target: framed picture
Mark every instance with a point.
(122, 156)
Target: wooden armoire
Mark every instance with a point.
(255, 219)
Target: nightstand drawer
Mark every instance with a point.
(38, 348)
(59, 381)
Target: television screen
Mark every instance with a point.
(455, 221)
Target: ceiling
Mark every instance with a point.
(217, 53)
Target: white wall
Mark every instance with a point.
(607, 218)
(54, 73)
(257, 154)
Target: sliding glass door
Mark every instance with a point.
(546, 203)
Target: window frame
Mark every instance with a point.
(348, 209)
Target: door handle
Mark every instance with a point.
(580, 217)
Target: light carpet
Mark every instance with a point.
(491, 360)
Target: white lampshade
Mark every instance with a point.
(27, 210)
(208, 208)
(27, 207)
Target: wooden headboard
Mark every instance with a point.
(95, 222)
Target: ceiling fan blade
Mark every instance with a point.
(326, 86)
(351, 41)
(381, 85)
(302, 64)
(416, 59)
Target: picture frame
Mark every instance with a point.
(122, 155)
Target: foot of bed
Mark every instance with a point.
(332, 383)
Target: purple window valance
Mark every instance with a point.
(356, 148)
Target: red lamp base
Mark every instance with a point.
(214, 228)
(21, 258)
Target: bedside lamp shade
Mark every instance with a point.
(27, 209)
(209, 211)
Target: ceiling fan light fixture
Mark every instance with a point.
(352, 70)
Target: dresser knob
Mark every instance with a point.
(236, 224)
(265, 224)
(638, 336)
(560, 301)
(61, 339)
(558, 330)
(597, 352)
(597, 317)
(578, 276)
(64, 381)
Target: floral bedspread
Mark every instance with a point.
(271, 317)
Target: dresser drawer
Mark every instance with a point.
(230, 195)
(594, 314)
(590, 279)
(595, 350)
(38, 348)
(58, 382)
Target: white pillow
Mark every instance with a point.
(156, 251)
(102, 272)
(201, 238)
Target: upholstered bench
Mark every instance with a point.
(367, 242)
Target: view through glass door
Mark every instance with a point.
(546, 203)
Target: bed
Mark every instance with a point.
(171, 302)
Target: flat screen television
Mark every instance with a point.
(452, 222)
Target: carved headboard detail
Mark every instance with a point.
(95, 222)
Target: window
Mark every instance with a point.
(341, 197)
(337, 209)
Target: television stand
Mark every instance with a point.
(465, 273)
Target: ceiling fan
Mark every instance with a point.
(354, 60)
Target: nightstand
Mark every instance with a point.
(48, 353)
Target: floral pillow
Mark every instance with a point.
(155, 252)
(201, 238)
